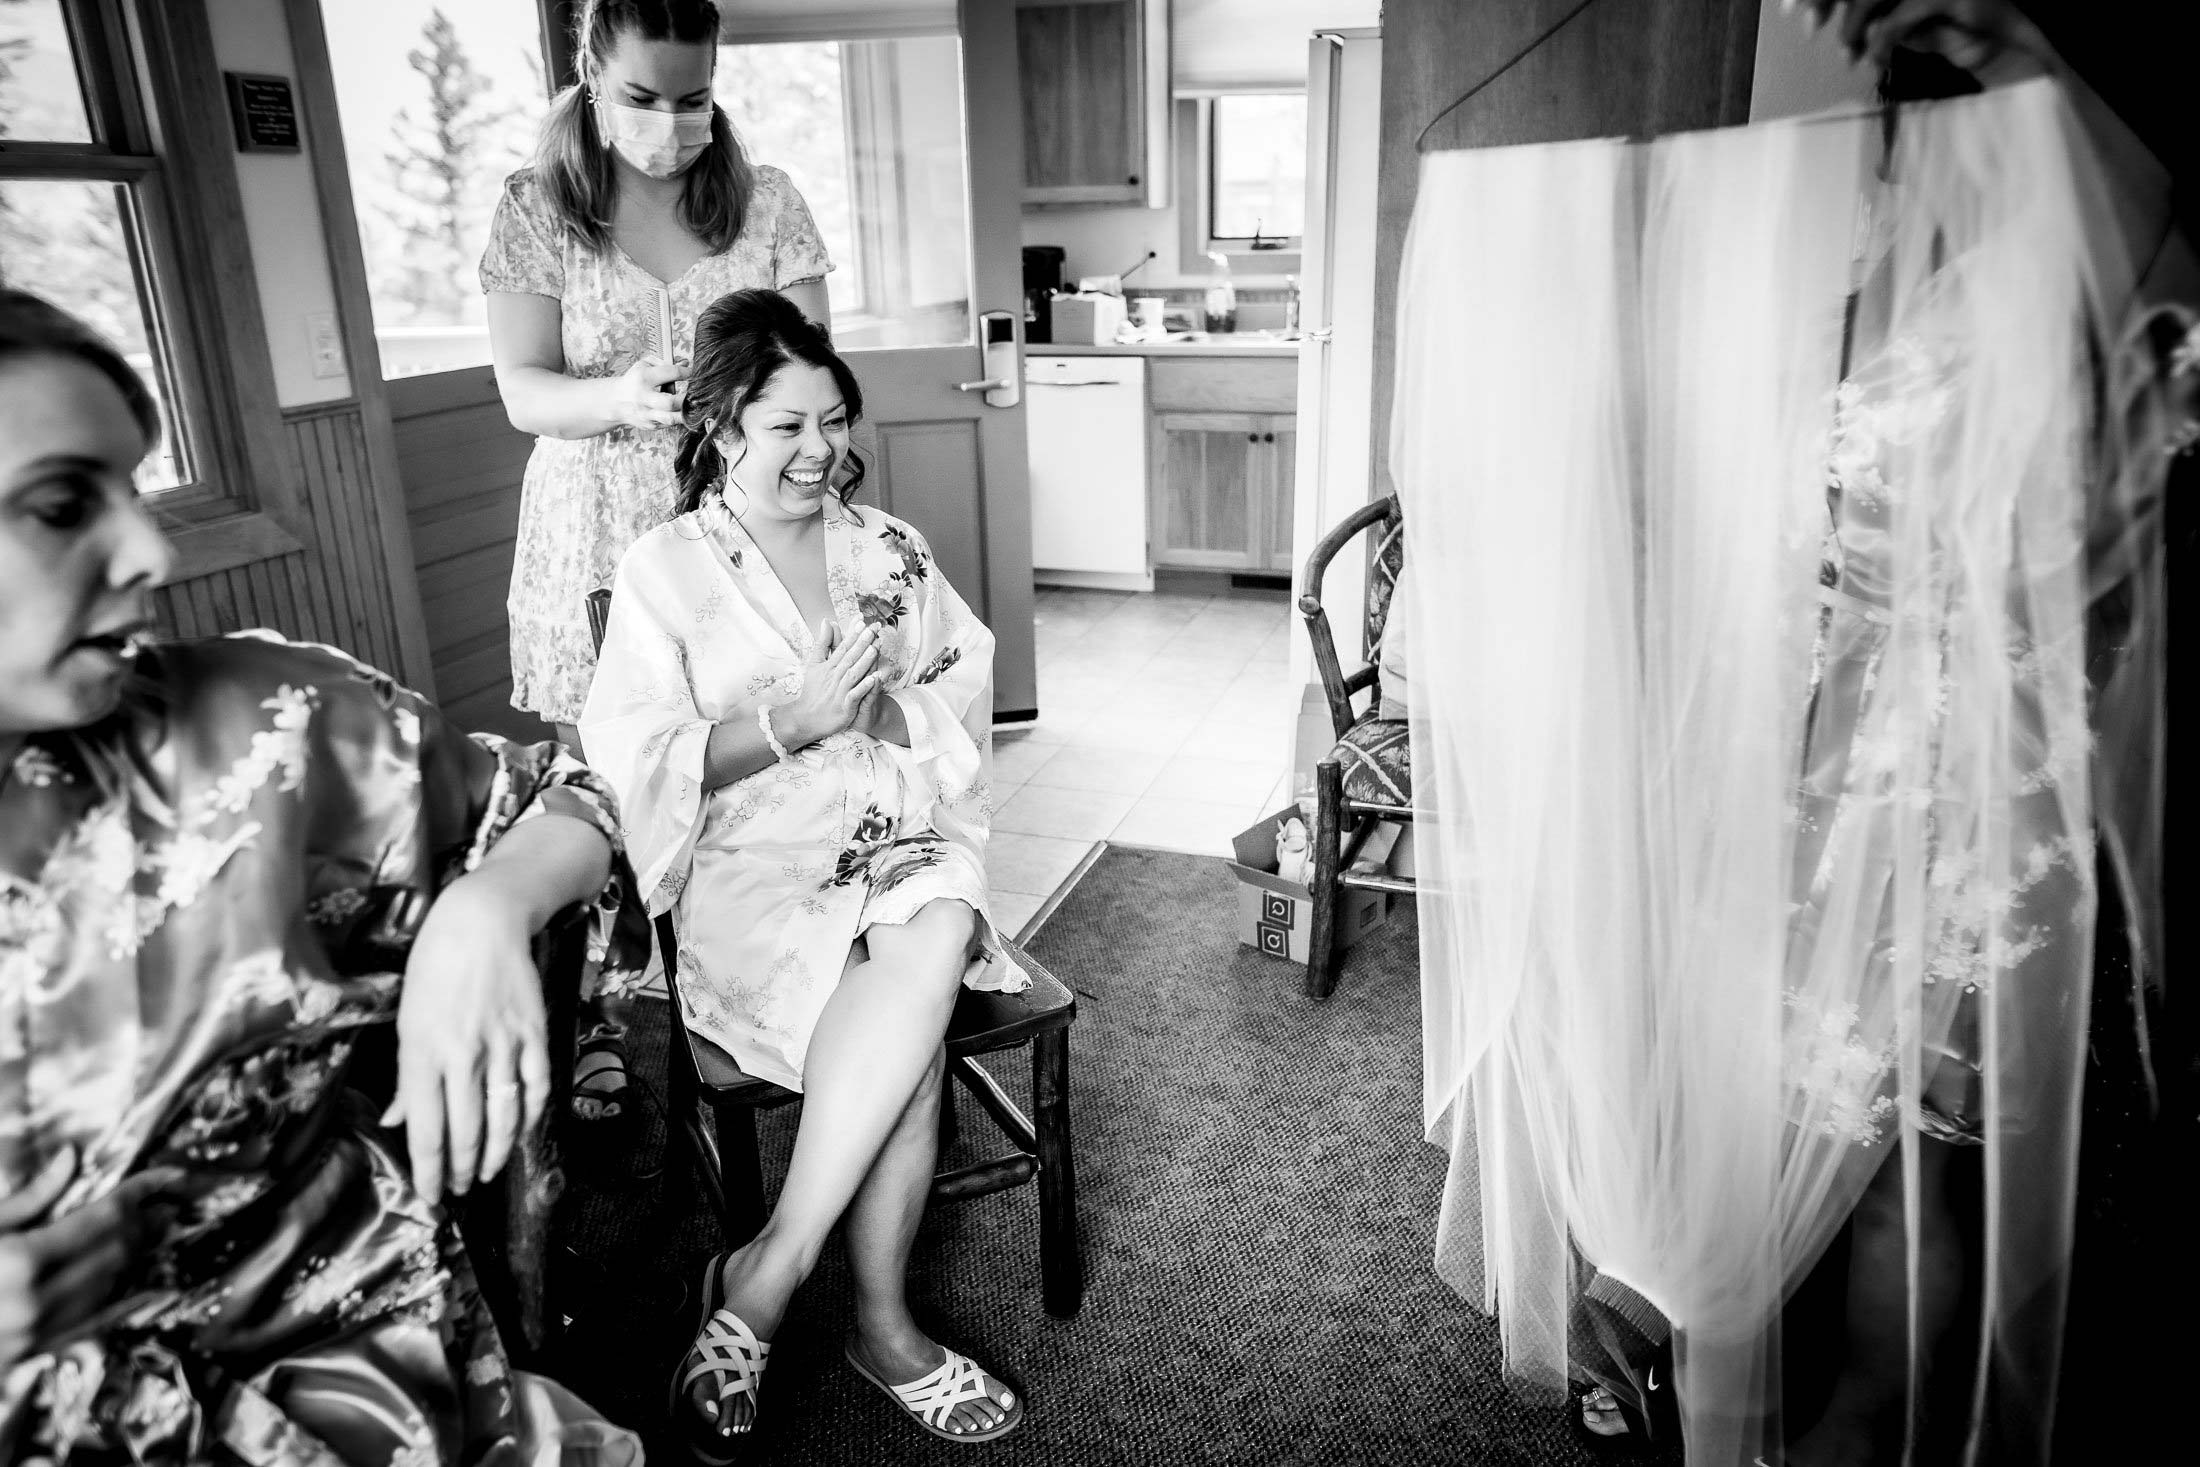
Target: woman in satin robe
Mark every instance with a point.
(208, 1250)
(796, 710)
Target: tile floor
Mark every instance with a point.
(1165, 720)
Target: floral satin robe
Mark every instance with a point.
(199, 920)
(775, 876)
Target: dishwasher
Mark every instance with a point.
(1085, 418)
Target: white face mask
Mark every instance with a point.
(661, 144)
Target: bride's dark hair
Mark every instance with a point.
(741, 342)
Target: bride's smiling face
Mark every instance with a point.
(792, 442)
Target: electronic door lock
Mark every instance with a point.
(1003, 382)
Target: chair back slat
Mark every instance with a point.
(599, 614)
(1387, 557)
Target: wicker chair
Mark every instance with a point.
(714, 1103)
(1367, 778)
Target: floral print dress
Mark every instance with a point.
(584, 500)
(201, 909)
(774, 877)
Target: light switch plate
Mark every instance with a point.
(325, 344)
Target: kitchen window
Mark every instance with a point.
(1256, 171)
(1241, 160)
(91, 218)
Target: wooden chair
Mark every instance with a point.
(1367, 778)
(714, 1103)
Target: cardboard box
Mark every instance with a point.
(1086, 320)
(1277, 916)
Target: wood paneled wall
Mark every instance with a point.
(461, 463)
(1619, 68)
(337, 588)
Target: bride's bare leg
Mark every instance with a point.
(882, 1227)
(876, 1042)
(1871, 1392)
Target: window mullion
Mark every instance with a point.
(101, 35)
(70, 160)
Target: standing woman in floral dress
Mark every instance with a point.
(639, 186)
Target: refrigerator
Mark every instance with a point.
(1335, 464)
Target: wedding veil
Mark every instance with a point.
(1717, 896)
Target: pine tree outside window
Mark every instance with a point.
(440, 102)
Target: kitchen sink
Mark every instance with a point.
(1226, 338)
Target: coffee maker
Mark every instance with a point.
(1042, 280)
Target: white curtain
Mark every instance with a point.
(1755, 832)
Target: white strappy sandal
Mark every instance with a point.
(929, 1398)
(725, 1346)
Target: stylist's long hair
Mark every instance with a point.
(741, 340)
(573, 163)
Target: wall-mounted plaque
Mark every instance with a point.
(262, 112)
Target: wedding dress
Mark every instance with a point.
(1750, 476)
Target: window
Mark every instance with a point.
(83, 209)
(1255, 195)
(439, 103)
(871, 134)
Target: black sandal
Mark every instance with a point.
(607, 1040)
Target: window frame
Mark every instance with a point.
(1195, 129)
(158, 116)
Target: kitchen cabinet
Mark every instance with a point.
(1093, 124)
(1222, 490)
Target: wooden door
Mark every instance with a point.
(946, 458)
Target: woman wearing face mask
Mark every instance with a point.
(211, 854)
(639, 187)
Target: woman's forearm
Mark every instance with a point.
(737, 749)
(885, 721)
(553, 405)
(544, 865)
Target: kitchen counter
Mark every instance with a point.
(1217, 346)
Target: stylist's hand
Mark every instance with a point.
(55, 1276)
(836, 678)
(647, 395)
(473, 1062)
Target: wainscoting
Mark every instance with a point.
(461, 463)
(337, 589)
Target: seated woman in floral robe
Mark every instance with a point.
(796, 711)
(210, 854)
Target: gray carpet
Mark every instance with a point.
(1257, 1207)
